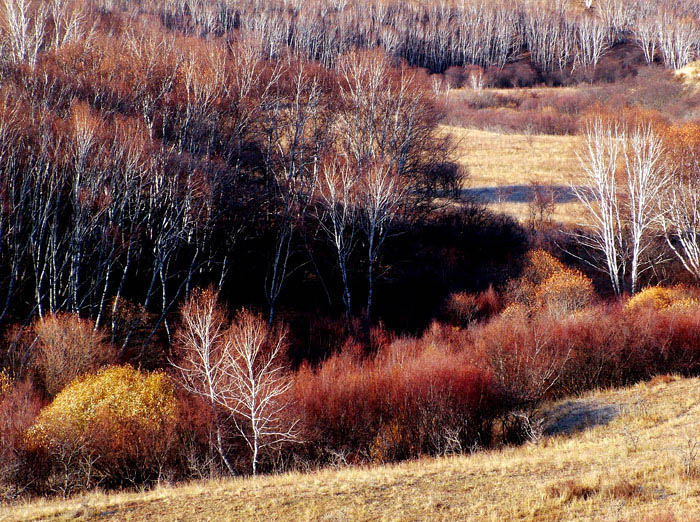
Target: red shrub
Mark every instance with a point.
(514, 121)
(409, 399)
(19, 406)
(462, 308)
(525, 357)
(604, 345)
(68, 346)
(456, 77)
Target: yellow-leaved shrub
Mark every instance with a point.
(5, 383)
(548, 285)
(539, 266)
(115, 426)
(565, 292)
(662, 298)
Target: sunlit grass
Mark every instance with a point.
(630, 469)
(507, 162)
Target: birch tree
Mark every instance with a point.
(382, 195)
(338, 196)
(598, 193)
(23, 24)
(257, 385)
(238, 368)
(645, 179)
(680, 206)
(623, 181)
(201, 355)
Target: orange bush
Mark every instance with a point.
(67, 347)
(548, 285)
(564, 292)
(539, 266)
(5, 383)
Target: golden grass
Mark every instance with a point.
(690, 74)
(503, 161)
(632, 468)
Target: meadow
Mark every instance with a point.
(631, 454)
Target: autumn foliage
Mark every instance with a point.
(66, 348)
(662, 298)
(289, 158)
(19, 405)
(411, 398)
(548, 286)
(112, 427)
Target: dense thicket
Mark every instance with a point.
(136, 167)
(436, 35)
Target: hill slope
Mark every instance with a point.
(639, 461)
(502, 168)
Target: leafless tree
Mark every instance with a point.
(477, 80)
(201, 346)
(549, 36)
(258, 384)
(598, 192)
(680, 205)
(617, 16)
(677, 39)
(680, 218)
(239, 369)
(622, 212)
(296, 127)
(646, 180)
(23, 24)
(646, 36)
(68, 18)
(338, 194)
(382, 196)
(592, 40)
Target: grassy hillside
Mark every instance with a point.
(502, 167)
(625, 454)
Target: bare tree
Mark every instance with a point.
(677, 38)
(382, 195)
(646, 181)
(239, 370)
(622, 212)
(477, 79)
(68, 19)
(338, 194)
(599, 194)
(680, 219)
(23, 24)
(680, 206)
(593, 41)
(201, 346)
(296, 130)
(258, 383)
(646, 36)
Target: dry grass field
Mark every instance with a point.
(629, 454)
(502, 167)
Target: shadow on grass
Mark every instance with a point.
(521, 193)
(574, 416)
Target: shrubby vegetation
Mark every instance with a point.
(112, 428)
(233, 235)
